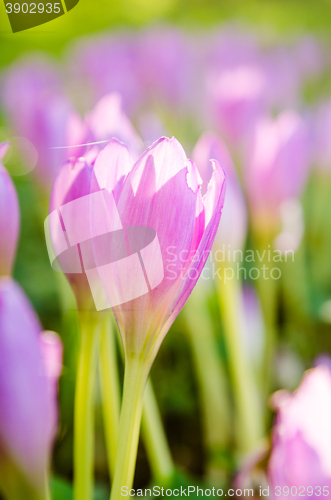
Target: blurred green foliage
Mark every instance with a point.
(273, 16)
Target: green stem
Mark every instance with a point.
(153, 435)
(249, 418)
(84, 411)
(154, 438)
(211, 380)
(267, 290)
(110, 388)
(135, 377)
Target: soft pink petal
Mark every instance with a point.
(27, 411)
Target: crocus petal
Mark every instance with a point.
(301, 437)
(9, 218)
(156, 194)
(137, 247)
(107, 120)
(26, 409)
(213, 203)
(111, 167)
(233, 226)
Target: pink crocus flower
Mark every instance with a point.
(132, 222)
(232, 230)
(301, 442)
(9, 217)
(143, 192)
(162, 191)
(276, 166)
(28, 409)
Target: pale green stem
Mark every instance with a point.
(153, 435)
(154, 438)
(210, 377)
(249, 418)
(48, 491)
(267, 290)
(84, 408)
(135, 377)
(110, 388)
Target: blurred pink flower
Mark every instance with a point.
(233, 226)
(165, 66)
(301, 444)
(236, 98)
(28, 407)
(108, 64)
(276, 165)
(9, 217)
(282, 76)
(232, 47)
(39, 111)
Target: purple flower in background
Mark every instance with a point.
(309, 56)
(108, 64)
(236, 98)
(39, 111)
(165, 66)
(276, 166)
(28, 407)
(232, 47)
(233, 226)
(282, 75)
(301, 441)
(9, 217)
